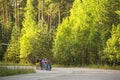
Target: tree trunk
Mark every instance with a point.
(4, 21)
(4, 25)
(50, 19)
(19, 13)
(39, 11)
(16, 18)
(43, 8)
(59, 15)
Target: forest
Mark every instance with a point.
(69, 32)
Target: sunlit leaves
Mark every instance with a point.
(28, 31)
(82, 36)
(13, 50)
(113, 45)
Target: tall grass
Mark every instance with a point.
(91, 66)
(7, 71)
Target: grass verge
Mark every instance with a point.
(91, 66)
(7, 71)
(14, 64)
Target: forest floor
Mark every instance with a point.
(58, 73)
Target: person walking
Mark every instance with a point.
(49, 66)
(40, 61)
(37, 64)
(43, 64)
(46, 63)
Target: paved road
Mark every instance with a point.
(68, 74)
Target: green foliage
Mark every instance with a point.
(6, 25)
(112, 50)
(36, 41)
(27, 42)
(28, 31)
(75, 37)
(13, 50)
(81, 37)
(61, 45)
(29, 20)
(26, 15)
(44, 40)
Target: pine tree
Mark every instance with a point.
(44, 39)
(62, 43)
(13, 50)
(28, 31)
(112, 50)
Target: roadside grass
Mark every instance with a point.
(90, 66)
(14, 64)
(104, 67)
(4, 71)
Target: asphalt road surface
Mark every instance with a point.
(68, 74)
